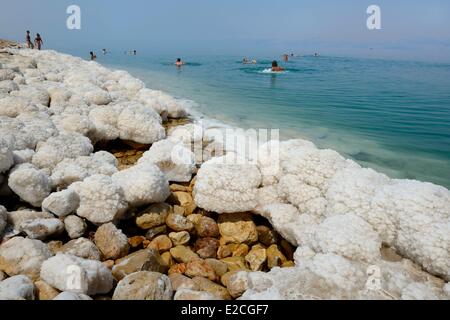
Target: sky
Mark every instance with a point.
(411, 29)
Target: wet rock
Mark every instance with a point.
(256, 258)
(179, 238)
(153, 232)
(23, 256)
(267, 236)
(83, 248)
(112, 242)
(154, 216)
(70, 273)
(183, 254)
(274, 257)
(17, 287)
(213, 288)
(178, 223)
(75, 226)
(142, 260)
(161, 243)
(200, 268)
(237, 228)
(180, 281)
(206, 247)
(44, 291)
(144, 285)
(207, 228)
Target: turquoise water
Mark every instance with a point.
(393, 116)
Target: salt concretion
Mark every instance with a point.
(196, 217)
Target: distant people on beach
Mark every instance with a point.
(28, 40)
(93, 56)
(179, 62)
(38, 42)
(275, 67)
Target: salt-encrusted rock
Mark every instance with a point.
(17, 288)
(140, 124)
(42, 228)
(237, 284)
(144, 285)
(6, 74)
(75, 226)
(3, 219)
(55, 149)
(153, 216)
(180, 282)
(162, 103)
(44, 291)
(142, 260)
(143, 184)
(105, 123)
(83, 248)
(23, 256)
(16, 218)
(97, 97)
(179, 238)
(7, 86)
(23, 156)
(67, 295)
(237, 228)
(225, 187)
(30, 184)
(349, 236)
(112, 242)
(189, 294)
(6, 155)
(69, 171)
(101, 200)
(35, 93)
(67, 272)
(61, 203)
(174, 159)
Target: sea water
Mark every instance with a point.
(392, 116)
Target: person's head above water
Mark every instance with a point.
(28, 31)
(178, 59)
(274, 64)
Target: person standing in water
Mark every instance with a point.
(38, 42)
(28, 40)
(93, 56)
(275, 67)
(134, 51)
(179, 63)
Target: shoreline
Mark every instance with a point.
(341, 217)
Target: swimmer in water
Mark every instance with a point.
(275, 67)
(179, 63)
(245, 61)
(254, 61)
(285, 57)
(93, 56)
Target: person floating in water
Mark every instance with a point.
(38, 42)
(275, 67)
(134, 52)
(104, 51)
(245, 61)
(179, 63)
(285, 57)
(28, 40)
(93, 56)
(254, 61)
(316, 54)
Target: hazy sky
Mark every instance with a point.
(410, 28)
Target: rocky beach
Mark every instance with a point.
(104, 195)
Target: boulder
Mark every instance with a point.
(112, 242)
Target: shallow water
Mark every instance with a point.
(393, 116)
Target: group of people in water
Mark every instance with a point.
(38, 42)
